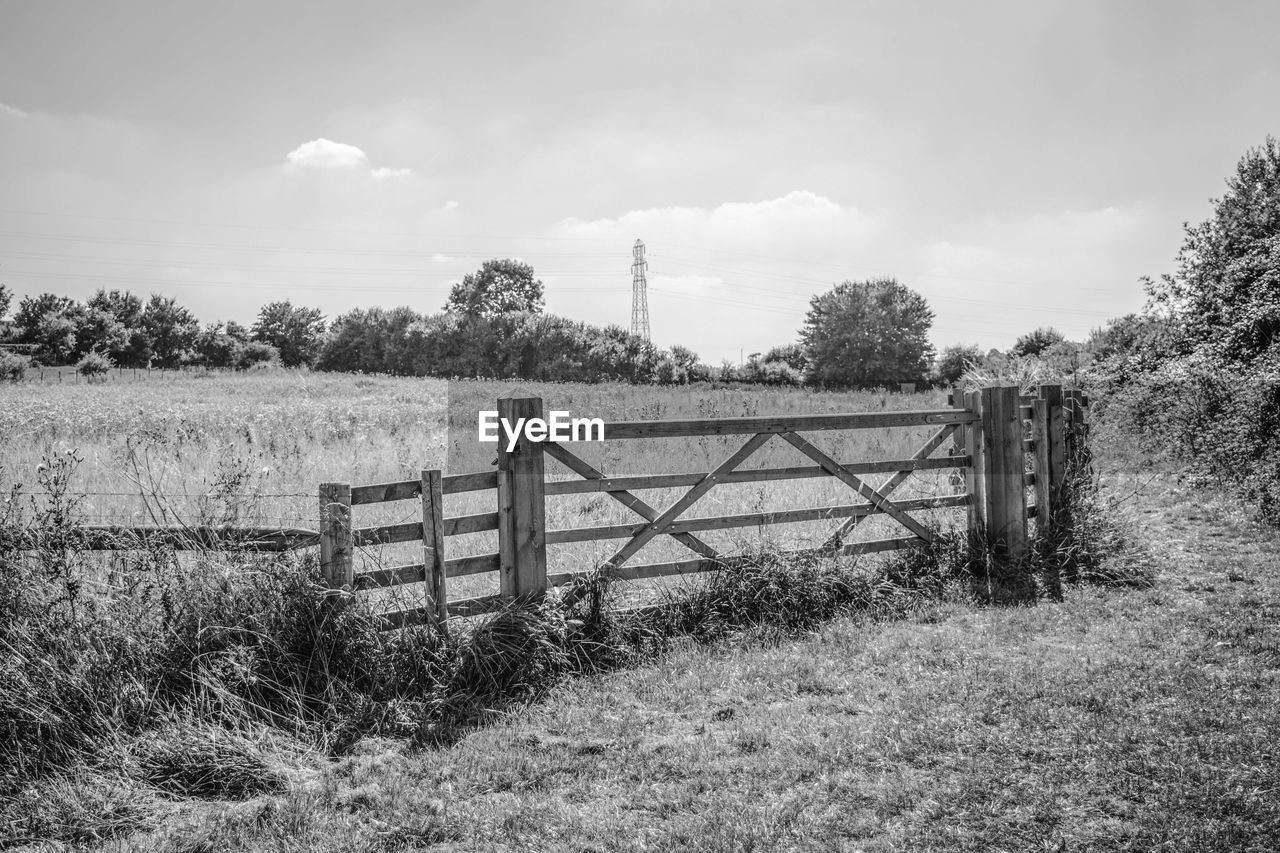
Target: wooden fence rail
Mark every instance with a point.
(1004, 444)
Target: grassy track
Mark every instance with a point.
(1118, 719)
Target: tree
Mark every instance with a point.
(49, 322)
(296, 332)
(370, 340)
(955, 360)
(6, 299)
(863, 333)
(1225, 295)
(1034, 343)
(792, 355)
(116, 328)
(170, 329)
(498, 287)
(99, 332)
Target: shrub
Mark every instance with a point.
(94, 365)
(13, 367)
(1222, 424)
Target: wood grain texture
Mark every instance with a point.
(522, 544)
(387, 534)
(1004, 469)
(753, 519)
(393, 576)
(458, 483)
(975, 478)
(783, 423)
(384, 492)
(753, 475)
(476, 564)
(433, 554)
(462, 524)
(336, 542)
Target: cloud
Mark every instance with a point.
(449, 205)
(13, 112)
(797, 209)
(799, 224)
(327, 155)
(383, 174)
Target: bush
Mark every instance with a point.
(1223, 424)
(94, 365)
(13, 367)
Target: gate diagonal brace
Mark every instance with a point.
(935, 441)
(879, 501)
(571, 461)
(662, 522)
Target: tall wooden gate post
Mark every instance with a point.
(974, 483)
(1050, 457)
(336, 543)
(522, 523)
(1004, 502)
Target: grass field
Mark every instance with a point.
(1118, 718)
(252, 449)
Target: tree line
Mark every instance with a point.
(858, 334)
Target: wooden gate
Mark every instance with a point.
(1003, 443)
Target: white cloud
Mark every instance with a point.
(327, 155)
(382, 173)
(449, 205)
(13, 112)
(797, 222)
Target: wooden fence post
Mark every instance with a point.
(1003, 468)
(1049, 454)
(522, 524)
(336, 543)
(433, 544)
(974, 483)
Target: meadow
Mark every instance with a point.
(803, 707)
(251, 450)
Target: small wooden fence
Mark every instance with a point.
(1003, 443)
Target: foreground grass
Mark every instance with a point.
(1116, 719)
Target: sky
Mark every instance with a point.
(1020, 164)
